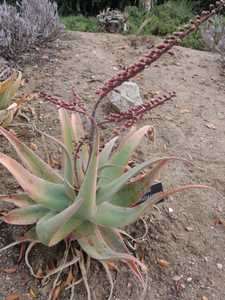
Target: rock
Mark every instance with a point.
(177, 278)
(219, 266)
(189, 228)
(126, 96)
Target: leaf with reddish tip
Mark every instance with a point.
(34, 163)
(110, 215)
(122, 154)
(25, 216)
(68, 140)
(96, 246)
(106, 152)
(114, 240)
(20, 200)
(48, 194)
(106, 192)
(133, 191)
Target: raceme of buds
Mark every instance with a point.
(136, 113)
(159, 50)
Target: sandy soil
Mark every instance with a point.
(185, 231)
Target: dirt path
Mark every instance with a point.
(184, 231)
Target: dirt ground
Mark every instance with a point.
(185, 230)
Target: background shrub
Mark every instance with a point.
(26, 24)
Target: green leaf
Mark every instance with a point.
(35, 164)
(88, 188)
(122, 155)
(106, 192)
(48, 194)
(98, 248)
(20, 200)
(133, 191)
(58, 224)
(110, 215)
(69, 188)
(68, 140)
(95, 246)
(114, 240)
(106, 152)
(25, 216)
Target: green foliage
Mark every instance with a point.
(194, 41)
(80, 23)
(163, 19)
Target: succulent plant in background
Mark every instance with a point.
(213, 35)
(10, 81)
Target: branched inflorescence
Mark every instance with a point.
(76, 105)
(136, 113)
(159, 50)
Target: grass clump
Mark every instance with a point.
(80, 23)
(164, 19)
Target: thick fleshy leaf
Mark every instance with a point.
(106, 192)
(65, 230)
(122, 155)
(48, 194)
(133, 191)
(68, 140)
(7, 115)
(110, 215)
(50, 225)
(9, 88)
(33, 162)
(89, 186)
(106, 152)
(20, 200)
(115, 242)
(69, 188)
(25, 216)
(31, 234)
(113, 238)
(96, 247)
(5, 85)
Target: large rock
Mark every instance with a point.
(126, 96)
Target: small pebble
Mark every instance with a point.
(182, 286)
(189, 279)
(219, 266)
(170, 210)
(177, 278)
(189, 229)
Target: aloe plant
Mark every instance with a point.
(97, 193)
(8, 89)
(93, 199)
